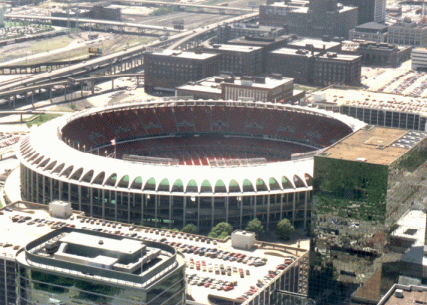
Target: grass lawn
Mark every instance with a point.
(42, 118)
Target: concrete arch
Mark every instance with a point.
(234, 187)
(44, 163)
(248, 186)
(308, 179)
(58, 168)
(273, 184)
(298, 181)
(66, 171)
(220, 187)
(123, 182)
(206, 187)
(286, 183)
(38, 160)
(164, 185)
(261, 186)
(98, 179)
(136, 183)
(76, 174)
(178, 186)
(150, 185)
(88, 176)
(33, 157)
(111, 180)
(192, 187)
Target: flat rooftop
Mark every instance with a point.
(375, 100)
(184, 55)
(260, 41)
(411, 295)
(338, 56)
(378, 145)
(236, 48)
(318, 44)
(295, 52)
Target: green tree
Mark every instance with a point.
(221, 230)
(285, 228)
(190, 228)
(255, 226)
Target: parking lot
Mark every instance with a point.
(22, 227)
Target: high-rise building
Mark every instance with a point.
(315, 18)
(369, 10)
(362, 187)
(75, 266)
(168, 69)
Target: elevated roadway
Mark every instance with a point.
(180, 4)
(92, 21)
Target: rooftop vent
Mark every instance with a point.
(101, 242)
(398, 293)
(361, 159)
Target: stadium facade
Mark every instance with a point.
(180, 162)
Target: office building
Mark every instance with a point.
(369, 10)
(363, 188)
(312, 19)
(370, 31)
(334, 68)
(239, 60)
(419, 59)
(293, 63)
(408, 33)
(232, 31)
(73, 265)
(265, 89)
(267, 44)
(168, 69)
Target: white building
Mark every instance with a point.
(243, 239)
(419, 58)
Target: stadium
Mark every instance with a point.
(169, 163)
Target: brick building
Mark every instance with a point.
(231, 31)
(333, 68)
(168, 69)
(294, 63)
(265, 89)
(239, 60)
(314, 18)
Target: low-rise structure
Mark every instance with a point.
(243, 239)
(408, 33)
(231, 31)
(265, 89)
(419, 59)
(370, 31)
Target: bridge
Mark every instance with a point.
(118, 24)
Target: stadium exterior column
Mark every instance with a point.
(91, 201)
(281, 206)
(69, 192)
(103, 204)
(51, 189)
(142, 206)
(198, 212)
(185, 210)
(32, 185)
(129, 207)
(213, 212)
(305, 209)
(80, 197)
(60, 190)
(115, 206)
(44, 189)
(226, 209)
(254, 200)
(293, 209)
(155, 209)
(37, 187)
(241, 210)
(268, 212)
(170, 211)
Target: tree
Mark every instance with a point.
(190, 228)
(255, 226)
(221, 230)
(285, 228)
